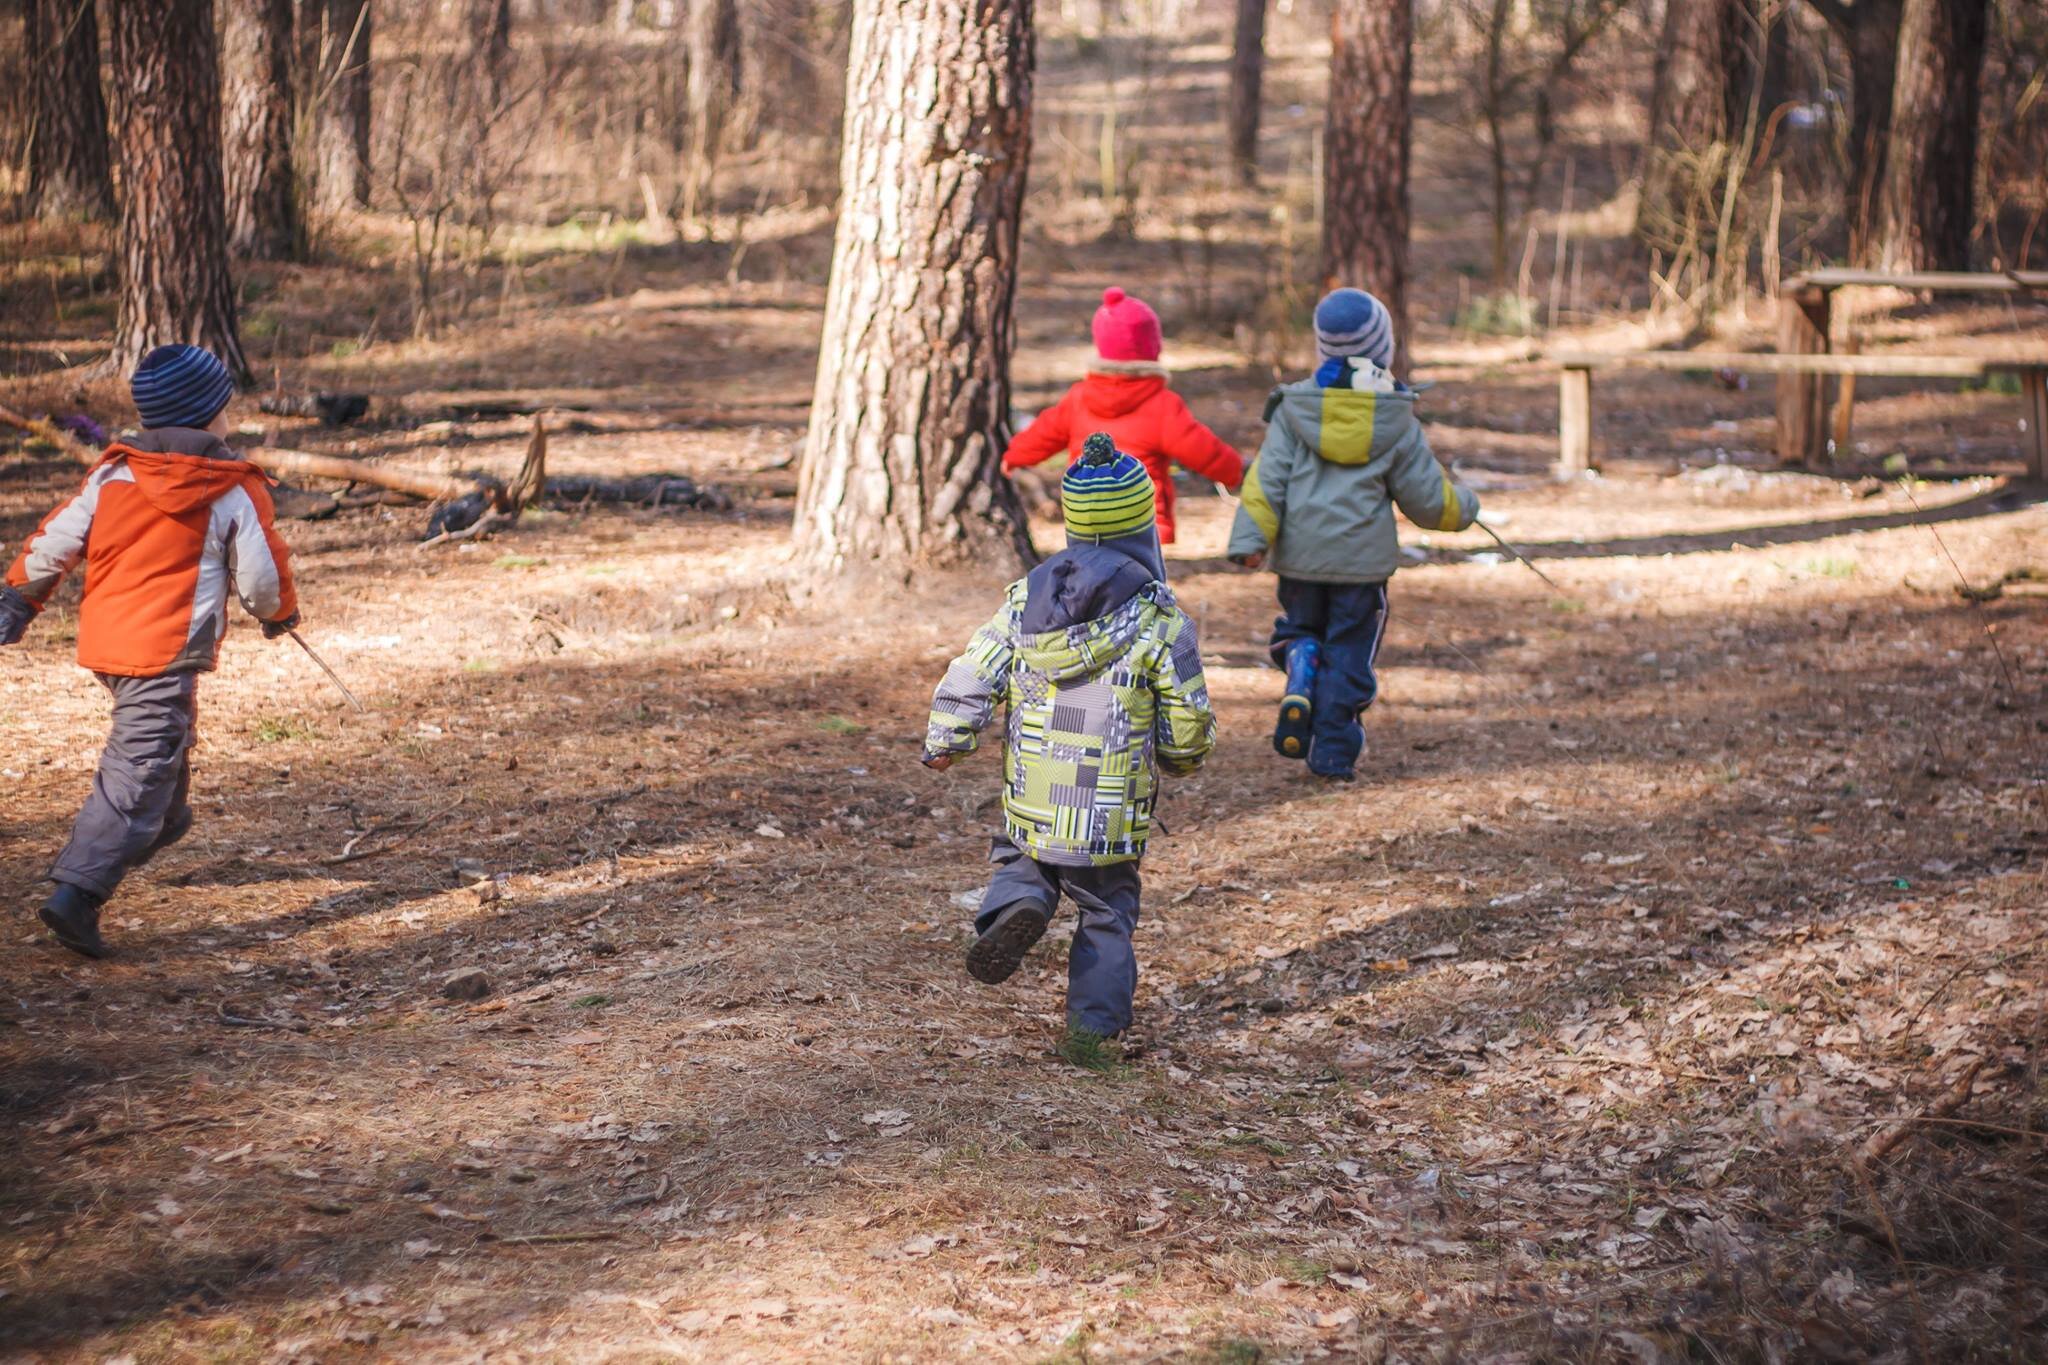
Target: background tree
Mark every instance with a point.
(490, 38)
(1247, 75)
(1930, 177)
(908, 421)
(256, 128)
(67, 170)
(173, 238)
(1869, 31)
(338, 33)
(713, 94)
(1696, 94)
(1367, 132)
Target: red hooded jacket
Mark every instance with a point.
(1145, 419)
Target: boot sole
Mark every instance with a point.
(997, 954)
(1290, 736)
(95, 947)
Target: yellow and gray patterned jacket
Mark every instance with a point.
(1094, 707)
(1321, 495)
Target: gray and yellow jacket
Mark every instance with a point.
(1102, 674)
(1321, 495)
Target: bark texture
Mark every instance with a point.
(338, 32)
(1247, 76)
(1695, 109)
(1367, 133)
(1869, 30)
(68, 170)
(256, 128)
(1930, 176)
(173, 238)
(902, 465)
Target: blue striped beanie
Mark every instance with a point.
(1352, 322)
(1105, 493)
(180, 386)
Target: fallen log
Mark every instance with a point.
(302, 464)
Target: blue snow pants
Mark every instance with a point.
(1102, 970)
(1348, 620)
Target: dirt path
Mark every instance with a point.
(1660, 897)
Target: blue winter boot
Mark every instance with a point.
(1297, 714)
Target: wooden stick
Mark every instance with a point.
(1879, 1144)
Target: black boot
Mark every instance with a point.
(73, 914)
(175, 828)
(995, 956)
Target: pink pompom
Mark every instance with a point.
(1112, 296)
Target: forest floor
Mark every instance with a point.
(1672, 986)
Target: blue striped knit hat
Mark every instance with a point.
(1105, 493)
(180, 386)
(1352, 322)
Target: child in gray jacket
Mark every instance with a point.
(1342, 450)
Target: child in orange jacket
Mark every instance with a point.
(168, 524)
(1125, 394)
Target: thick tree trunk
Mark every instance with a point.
(1367, 132)
(1695, 108)
(256, 129)
(1869, 29)
(1247, 75)
(68, 163)
(339, 31)
(902, 465)
(1930, 169)
(173, 239)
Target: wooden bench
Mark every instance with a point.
(1802, 427)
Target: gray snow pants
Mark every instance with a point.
(144, 777)
(1102, 970)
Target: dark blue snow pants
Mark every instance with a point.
(1102, 971)
(1349, 620)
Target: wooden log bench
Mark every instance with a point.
(1801, 418)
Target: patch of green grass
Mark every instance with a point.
(517, 562)
(1826, 566)
(840, 725)
(1999, 381)
(480, 665)
(1258, 1140)
(260, 326)
(1500, 314)
(1231, 1351)
(279, 729)
(1301, 1268)
(343, 349)
(1567, 606)
(1092, 1052)
(589, 1002)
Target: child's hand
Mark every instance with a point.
(1255, 560)
(274, 629)
(938, 763)
(15, 614)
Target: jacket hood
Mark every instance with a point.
(178, 470)
(1082, 583)
(1081, 650)
(1118, 394)
(1344, 426)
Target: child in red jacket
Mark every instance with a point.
(1125, 394)
(170, 525)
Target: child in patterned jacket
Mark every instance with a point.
(1102, 674)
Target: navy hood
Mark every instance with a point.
(1082, 583)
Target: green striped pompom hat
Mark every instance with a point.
(1105, 493)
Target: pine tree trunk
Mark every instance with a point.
(1247, 75)
(1869, 29)
(1930, 169)
(1367, 131)
(340, 34)
(256, 129)
(173, 239)
(713, 93)
(902, 465)
(1695, 98)
(68, 162)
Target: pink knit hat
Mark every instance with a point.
(1125, 329)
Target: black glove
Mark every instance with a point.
(16, 612)
(273, 629)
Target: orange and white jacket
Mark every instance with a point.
(167, 523)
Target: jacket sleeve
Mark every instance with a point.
(1050, 434)
(57, 545)
(258, 560)
(1184, 727)
(966, 697)
(1428, 495)
(1188, 442)
(1262, 499)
